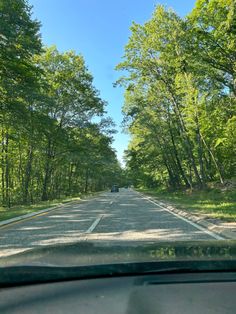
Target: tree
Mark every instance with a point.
(19, 42)
(50, 145)
(174, 96)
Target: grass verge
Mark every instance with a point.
(212, 203)
(18, 210)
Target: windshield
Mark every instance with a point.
(117, 131)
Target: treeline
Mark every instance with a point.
(180, 96)
(50, 146)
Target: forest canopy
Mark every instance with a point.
(180, 96)
(50, 144)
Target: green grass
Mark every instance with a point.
(18, 210)
(214, 204)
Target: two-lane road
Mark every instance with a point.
(123, 216)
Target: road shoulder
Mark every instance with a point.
(220, 228)
(59, 206)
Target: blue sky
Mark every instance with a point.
(99, 30)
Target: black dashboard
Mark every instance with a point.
(205, 292)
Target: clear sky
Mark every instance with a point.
(99, 30)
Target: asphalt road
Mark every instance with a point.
(122, 216)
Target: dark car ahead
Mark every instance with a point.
(115, 188)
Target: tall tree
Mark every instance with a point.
(175, 93)
(19, 42)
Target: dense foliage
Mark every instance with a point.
(180, 99)
(50, 145)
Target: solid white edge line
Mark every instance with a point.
(94, 225)
(216, 236)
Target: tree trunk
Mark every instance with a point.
(48, 171)
(184, 133)
(28, 169)
(86, 181)
(7, 172)
(200, 154)
(70, 177)
(214, 159)
(185, 178)
(3, 168)
(174, 179)
(46, 180)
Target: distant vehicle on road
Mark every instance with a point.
(115, 188)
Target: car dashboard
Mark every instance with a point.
(205, 292)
